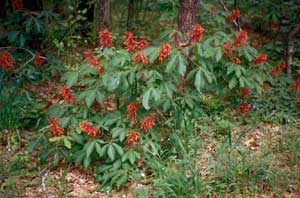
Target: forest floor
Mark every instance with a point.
(70, 181)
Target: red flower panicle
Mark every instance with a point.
(90, 58)
(213, 10)
(244, 107)
(67, 94)
(132, 111)
(164, 51)
(175, 37)
(260, 59)
(297, 100)
(18, 4)
(39, 60)
(148, 122)
(245, 92)
(278, 69)
(240, 39)
(129, 41)
(143, 76)
(142, 44)
(6, 61)
(139, 57)
(89, 129)
(105, 38)
(101, 70)
(237, 61)
(54, 127)
(197, 33)
(234, 15)
(228, 50)
(132, 137)
(183, 80)
(180, 88)
(296, 85)
(265, 86)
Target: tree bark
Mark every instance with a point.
(290, 49)
(103, 15)
(187, 16)
(130, 15)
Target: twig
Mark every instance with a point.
(290, 49)
(226, 10)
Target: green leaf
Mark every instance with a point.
(98, 148)
(199, 81)
(72, 79)
(116, 132)
(89, 148)
(122, 180)
(145, 99)
(90, 98)
(119, 149)
(171, 64)
(131, 157)
(232, 83)
(218, 54)
(67, 143)
(99, 97)
(111, 152)
(182, 65)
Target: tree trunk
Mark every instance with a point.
(290, 49)
(130, 15)
(103, 15)
(187, 16)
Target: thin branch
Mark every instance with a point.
(290, 48)
(226, 10)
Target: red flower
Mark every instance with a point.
(7, 62)
(129, 41)
(90, 58)
(142, 44)
(132, 111)
(197, 33)
(89, 129)
(54, 127)
(147, 123)
(237, 61)
(105, 38)
(164, 51)
(18, 4)
(101, 70)
(139, 57)
(183, 80)
(133, 137)
(143, 76)
(39, 60)
(296, 85)
(244, 107)
(180, 88)
(240, 39)
(175, 37)
(213, 10)
(278, 69)
(234, 15)
(67, 94)
(227, 48)
(260, 59)
(297, 100)
(265, 86)
(245, 92)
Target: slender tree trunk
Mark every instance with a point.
(103, 15)
(290, 49)
(187, 16)
(130, 15)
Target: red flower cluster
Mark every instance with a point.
(131, 44)
(18, 4)
(240, 39)
(180, 88)
(148, 122)
(183, 80)
(39, 60)
(265, 86)
(244, 107)
(105, 38)
(197, 33)
(228, 50)
(133, 137)
(245, 92)
(89, 129)
(90, 58)
(260, 59)
(54, 127)
(143, 76)
(278, 69)
(213, 10)
(297, 100)
(164, 52)
(175, 37)
(132, 111)
(296, 85)
(67, 94)
(237, 61)
(234, 15)
(6, 61)
(139, 57)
